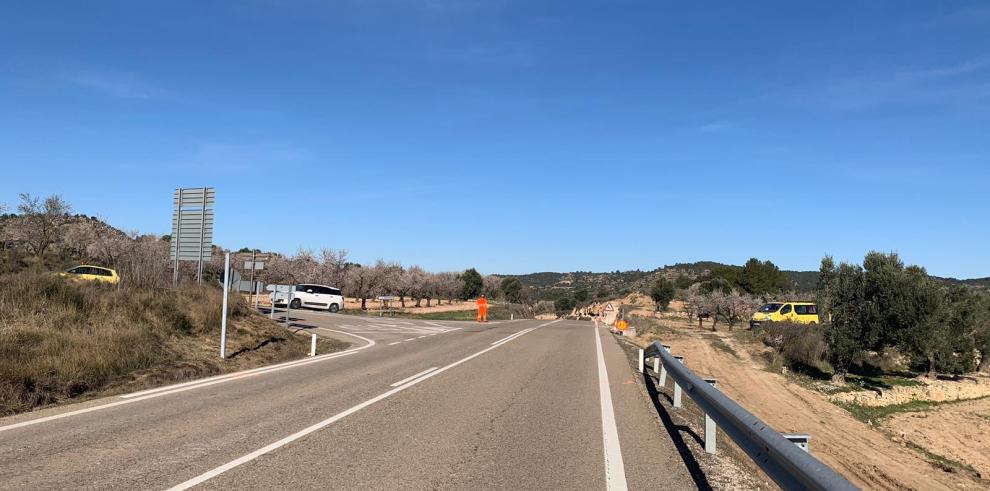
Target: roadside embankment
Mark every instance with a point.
(62, 340)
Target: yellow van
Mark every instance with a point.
(796, 312)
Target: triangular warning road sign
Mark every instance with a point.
(608, 307)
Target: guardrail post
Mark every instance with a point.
(312, 346)
(656, 364)
(800, 439)
(663, 369)
(710, 427)
(640, 361)
(677, 387)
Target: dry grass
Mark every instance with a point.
(62, 340)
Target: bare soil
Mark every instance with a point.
(959, 431)
(867, 456)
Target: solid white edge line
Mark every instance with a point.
(322, 424)
(196, 384)
(615, 470)
(424, 372)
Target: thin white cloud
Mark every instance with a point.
(717, 126)
(115, 84)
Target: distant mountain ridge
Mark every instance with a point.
(549, 284)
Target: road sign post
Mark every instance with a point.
(226, 292)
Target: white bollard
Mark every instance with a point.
(640, 361)
(312, 346)
(710, 428)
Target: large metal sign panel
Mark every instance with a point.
(192, 224)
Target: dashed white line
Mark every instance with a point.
(395, 343)
(424, 372)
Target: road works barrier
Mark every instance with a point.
(784, 458)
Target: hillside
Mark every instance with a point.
(551, 285)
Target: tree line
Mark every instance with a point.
(47, 230)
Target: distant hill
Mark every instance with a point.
(551, 285)
(982, 283)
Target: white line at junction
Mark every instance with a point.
(424, 372)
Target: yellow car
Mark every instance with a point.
(86, 272)
(796, 312)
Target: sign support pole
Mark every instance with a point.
(226, 292)
(175, 240)
(202, 238)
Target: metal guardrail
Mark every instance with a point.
(787, 464)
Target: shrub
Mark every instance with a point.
(802, 347)
(60, 339)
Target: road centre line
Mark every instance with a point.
(395, 343)
(615, 471)
(195, 384)
(513, 336)
(322, 424)
(424, 372)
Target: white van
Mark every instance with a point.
(311, 296)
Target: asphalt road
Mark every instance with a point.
(411, 405)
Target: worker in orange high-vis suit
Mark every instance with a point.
(482, 309)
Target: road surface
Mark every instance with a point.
(411, 405)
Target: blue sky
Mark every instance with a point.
(516, 136)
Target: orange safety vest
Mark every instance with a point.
(482, 303)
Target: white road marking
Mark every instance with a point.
(424, 372)
(615, 470)
(195, 384)
(322, 424)
(395, 343)
(513, 336)
(411, 339)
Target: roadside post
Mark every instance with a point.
(710, 428)
(226, 293)
(663, 369)
(288, 304)
(312, 346)
(677, 387)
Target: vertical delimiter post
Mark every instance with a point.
(710, 428)
(640, 361)
(677, 387)
(312, 346)
(656, 364)
(288, 304)
(226, 292)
